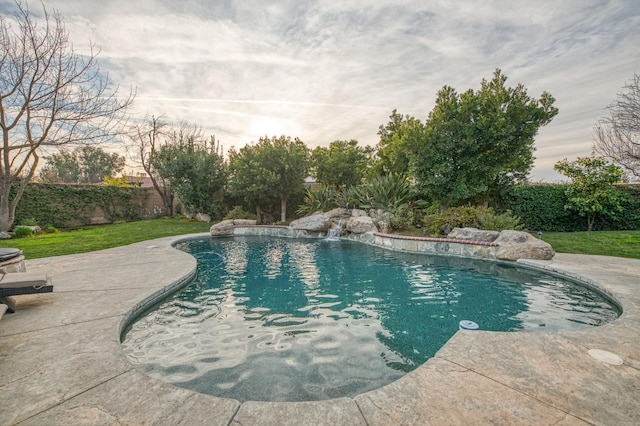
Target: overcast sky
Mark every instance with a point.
(327, 70)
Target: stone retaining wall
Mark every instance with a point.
(438, 246)
(434, 246)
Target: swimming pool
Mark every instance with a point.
(290, 320)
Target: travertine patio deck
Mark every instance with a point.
(61, 361)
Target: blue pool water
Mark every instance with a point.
(272, 319)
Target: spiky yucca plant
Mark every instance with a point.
(321, 199)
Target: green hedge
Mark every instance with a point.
(629, 218)
(65, 206)
(540, 207)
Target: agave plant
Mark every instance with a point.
(388, 192)
(321, 199)
(352, 197)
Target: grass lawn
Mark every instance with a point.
(607, 243)
(102, 237)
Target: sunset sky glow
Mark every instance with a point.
(327, 70)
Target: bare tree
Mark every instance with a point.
(143, 146)
(617, 136)
(50, 95)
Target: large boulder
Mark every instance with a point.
(244, 222)
(381, 219)
(225, 227)
(473, 234)
(203, 217)
(361, 225)
(317, 222)
(338, 215)
(514, 245)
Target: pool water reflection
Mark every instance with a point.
(271, 319)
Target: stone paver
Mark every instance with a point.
(343, 411)
(61, 362)
(443, 393)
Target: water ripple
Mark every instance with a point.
(289, 320)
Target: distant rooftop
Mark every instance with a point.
(140, 181)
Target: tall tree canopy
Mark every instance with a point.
(86, 164)
(342, 164)
(478, 142)
(49, 96)
(249, 178)
(398, 141)
(274, 168)
(617, 136)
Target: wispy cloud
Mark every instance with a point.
(325, 70)
(258, 102)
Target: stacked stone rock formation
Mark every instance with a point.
(226, 226)
(511, 245)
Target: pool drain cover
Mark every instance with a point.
(605, 356)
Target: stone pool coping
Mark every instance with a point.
(61, 360)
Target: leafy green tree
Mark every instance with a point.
(343, 163)
(86, 164)
(98, 164)
(274, 168)
(398, 141)
(249, 179)
(152, 135)
(290, 160)
(62, 167)
(477, 143)
(196, 171)
(592, 191)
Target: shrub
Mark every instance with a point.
(50, 229)
(28, 222)
(22, 231)
(435, 222)
(492, 221)
(402, 218)
(238, 213)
